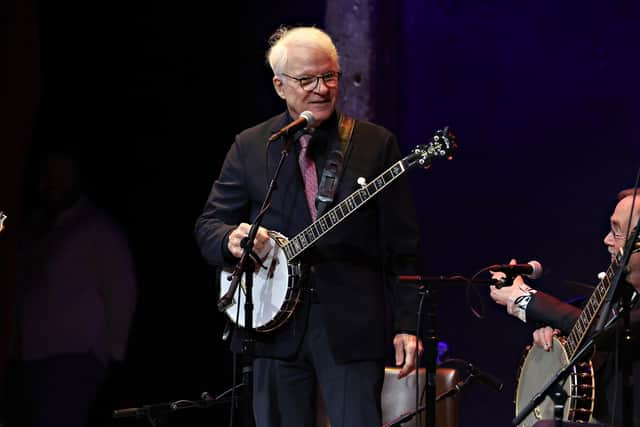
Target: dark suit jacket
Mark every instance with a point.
(548, 310)
(350, 265)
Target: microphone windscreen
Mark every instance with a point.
(308, 115)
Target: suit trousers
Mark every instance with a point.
(284, 392)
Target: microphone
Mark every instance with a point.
(305, 119)
(532, 269)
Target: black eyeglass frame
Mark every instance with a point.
(324, 77)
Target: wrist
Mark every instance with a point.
(519, 300)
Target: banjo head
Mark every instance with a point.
(537, 367)
(275, 293)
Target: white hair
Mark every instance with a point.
(284, 37)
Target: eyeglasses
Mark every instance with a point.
(310, 83)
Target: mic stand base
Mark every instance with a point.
(158, 413)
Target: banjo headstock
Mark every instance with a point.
(442, 144)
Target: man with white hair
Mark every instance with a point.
(334, 341)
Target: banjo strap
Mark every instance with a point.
(334, 165)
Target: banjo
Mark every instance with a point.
(537, 366)
(276, 289)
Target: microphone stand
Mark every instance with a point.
(428, 294)
(246, 266)
(428, 291)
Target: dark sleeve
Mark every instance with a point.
(401, 239)
(549, 310)
(608, 340)
(226, 206)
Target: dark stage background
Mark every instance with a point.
(543, 97)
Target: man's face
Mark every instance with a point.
(305, 61)
(616, 238)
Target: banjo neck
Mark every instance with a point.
(342, 210)
(442, 145)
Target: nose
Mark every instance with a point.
(609, 239)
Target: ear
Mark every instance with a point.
(278, 85)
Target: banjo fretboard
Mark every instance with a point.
(335, 215)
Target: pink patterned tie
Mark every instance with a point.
(310, 176)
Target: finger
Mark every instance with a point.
(407, 368)
(408, 361)
(233, 242)
(264, 233)
(537, 338)
(399, 349)
(239, 234)
(547, 338)
(409, 354)
(263, 241)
